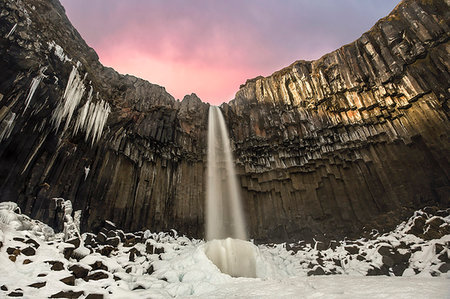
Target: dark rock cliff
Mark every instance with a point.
(357, 138)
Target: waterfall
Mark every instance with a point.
(224, 215)
(225, 225)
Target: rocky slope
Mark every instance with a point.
(357, 138)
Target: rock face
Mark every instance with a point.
(336, 143)
(117, 146)
(357, 138)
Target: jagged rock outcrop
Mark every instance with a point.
(357, 138)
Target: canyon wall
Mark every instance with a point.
(358, 138)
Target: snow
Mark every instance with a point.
(184, 269)
(59, 51)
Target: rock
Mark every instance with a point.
(69, 280)
(374, 271)
(32, 242)
(399, 268)
(150, 270)
(98, 265)
(149, 248)
(68, 252)
(352, 249)
(38, 285)
(97, 275)
(12, 258)
(79, 271)
(18, 239)
(4, 288)
(388, 261)
(67, 294)
(138, 287)
(113, 241)
(105, 250)
(159, 250)
(95, 296)
(74, 241)
(444, 268)
(56, 265)
(11, 250)
(16, 294)
(443, 257)
(101, 238)
(42, 275)
(109, 225)
(317, 271)
(27, 261)
(385, 250)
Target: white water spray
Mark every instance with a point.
(224, 216)
(225, 224)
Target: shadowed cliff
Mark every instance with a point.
(357, 138)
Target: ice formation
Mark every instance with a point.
(59, 52)
(234, 257)
(34, 85)
(72, 96)
(224, 214)
(7, 125)
(92, 119)
(11, 31)
(86, 172)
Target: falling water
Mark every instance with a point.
(225, 225)
(224, 216)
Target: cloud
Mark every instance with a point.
(211, 47)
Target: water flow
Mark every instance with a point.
(224, 215)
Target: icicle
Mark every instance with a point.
(11, 31)
(92, 119)
(70, 100)
(34, 85)
(86, 172)
(7, 125)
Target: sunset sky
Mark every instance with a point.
(210, 47)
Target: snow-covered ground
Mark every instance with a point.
(35, 262)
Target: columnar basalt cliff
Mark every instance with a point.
(357, 138)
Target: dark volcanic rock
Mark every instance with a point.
(99, 274)
(69, 280)
(357, 138)
(79, 271)
(28, 251)
(67, 294)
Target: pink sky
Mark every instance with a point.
(210, 47)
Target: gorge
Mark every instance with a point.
(354, 141)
